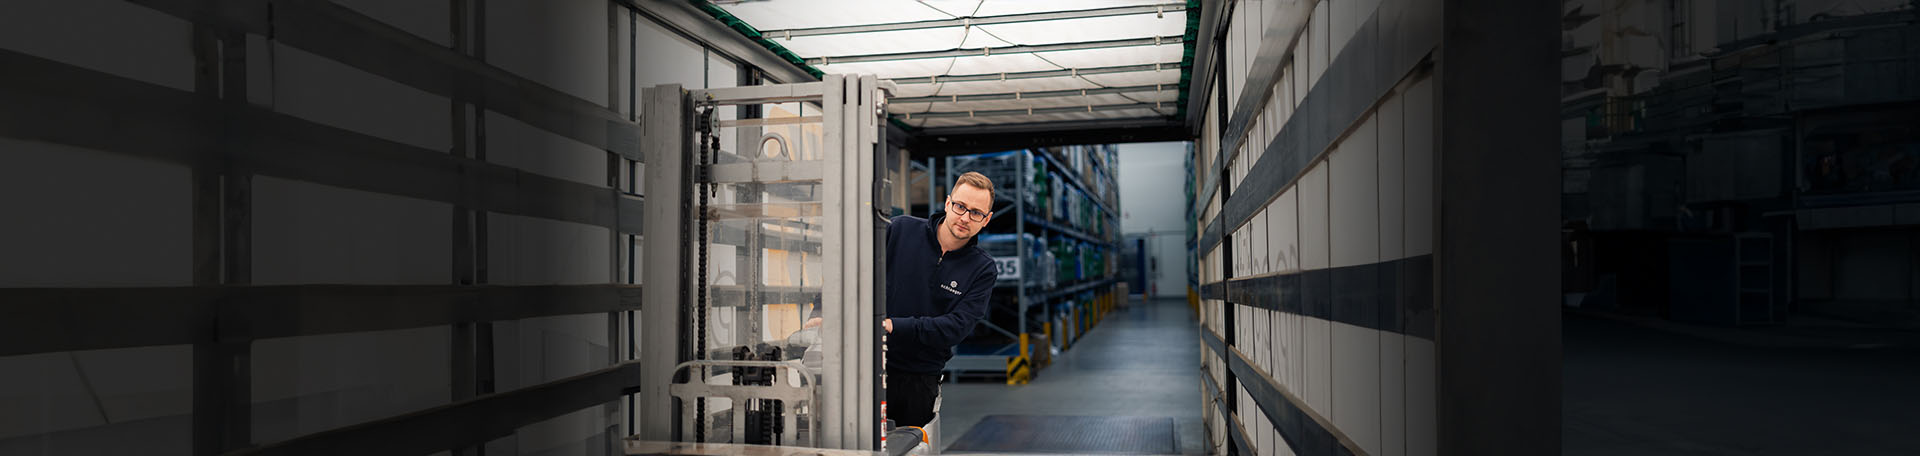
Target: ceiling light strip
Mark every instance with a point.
(987, 51)
(1022, 95)
(1031, 111)
(1064, 73)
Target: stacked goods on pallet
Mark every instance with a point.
(1066, 253)
(1059, 197)
(1001, 167)
(1080, 211)
(1005, 169)
(1043, 188)
(1033, 269)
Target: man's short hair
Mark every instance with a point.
(976, 180)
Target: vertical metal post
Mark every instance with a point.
(632, 185)
(664, 148)
(1021, 181)
(612, 409)
(933, 192)
(1489, 277)
(849, 407)
(1230, 391)
(870, 162)
(749, 258)
(877, 239)
(832, 289)
(223, 227)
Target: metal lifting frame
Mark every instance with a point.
(850, 170)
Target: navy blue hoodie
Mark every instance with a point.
(933, 299)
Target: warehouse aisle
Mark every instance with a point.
(1142, 361)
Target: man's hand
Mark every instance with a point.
(887, 323)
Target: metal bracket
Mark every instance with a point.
(739, 395)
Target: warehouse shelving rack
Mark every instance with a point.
(1014, 359)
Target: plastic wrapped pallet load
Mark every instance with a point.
(1001, 167)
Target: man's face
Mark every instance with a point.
(967, 198)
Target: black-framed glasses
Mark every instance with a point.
(973, 215)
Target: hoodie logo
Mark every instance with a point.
(952, 287)
(953, 284)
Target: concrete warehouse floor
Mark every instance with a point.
(1142, 360)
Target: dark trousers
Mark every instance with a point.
(910, 398)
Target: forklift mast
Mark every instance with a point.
(763, 289)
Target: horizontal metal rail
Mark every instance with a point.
(1060, 73)
(340, 34)
(65, 104)
(1000, 50)
(1033, 111)
(1076, 288)
(1017, 95)
(969, 21)
(45, 320)
(467, 423)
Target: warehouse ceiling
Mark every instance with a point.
(974, 66)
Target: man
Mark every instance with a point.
(938, 282)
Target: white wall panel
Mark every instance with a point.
(1271, 333)
(1263, 336)
(1422, 401)
(1393, 394)
(1356, 384)
(558, 43)
(529, 251)
(1316, 387)
(144, 392)
(626, 28)
(1355, 198)
(1262, 250)
(109, 36)
(1285, 234)
(431, 21)
(1297, 72)
(1282, 336)
(1321, 55)
(315, 88)
(1239, 243)
(1347, 17)
(109, 220)
(515, 144)
(1258, 430)
(1419, 123)
(1314, 241)
(1392, 181)
(303, 385)
(573, 433)
(667, 58)
(1235, 65)
(305, 233)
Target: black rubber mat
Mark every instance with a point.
(1069, 434)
